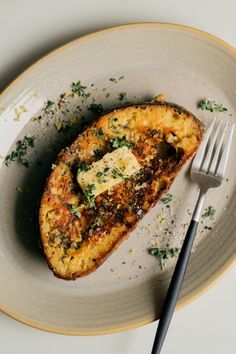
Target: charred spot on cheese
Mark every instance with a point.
(115, 167)
(113, 173)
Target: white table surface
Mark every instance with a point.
(29, 29)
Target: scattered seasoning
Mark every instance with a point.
(36, 119)
(79, 89)
(49, 107)
(167, 198)
(62, 126)
(89, 196)
(122, 96)
(74, 211)
(120, 142)
(19, 189)
(114, 119)
(209, 212)
(96, 108)
(113, 79)
(98, 132)
(211, 106)
(163, 254)
(108, 95)
(21, 150)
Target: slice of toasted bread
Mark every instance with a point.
(80, 228)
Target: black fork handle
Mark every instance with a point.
(174, 288)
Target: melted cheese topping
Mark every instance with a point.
(113, 168)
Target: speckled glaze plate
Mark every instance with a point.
(141, 60)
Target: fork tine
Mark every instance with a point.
(201, 151)
(208, 158)
(215, 160)
(223, 161)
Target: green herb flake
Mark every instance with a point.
(114, 119)
(19, 189)
(79, 89)
(122, 96)
(101, 175)
(118, 174)
(211, 106)
(209, 212)
(89, 196)
(120, 142)
(74, 211)
(163, 254)
(95, 226)
(21, 150)
(49, 106)
(96, 108)
(83, 167)
(97, 153)
(167, 198)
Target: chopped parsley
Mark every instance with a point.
(122, 96)
(102, 174)
(89, 196)
(49, 106)
(209, 212)
(163, 254)
(167, 198)
(74, 211)
(97, 153)
(83, 167)
(20, 152)
(117, 173)
(96, 108)
(114, 173)
(79, 89)
(211, 106)
(114, 119)
(120, 142)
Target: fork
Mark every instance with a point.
(207, 171)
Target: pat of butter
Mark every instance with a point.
(113, 168)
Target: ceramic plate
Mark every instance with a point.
(123, 64)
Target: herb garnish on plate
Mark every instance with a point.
(209, 212)
(20, 151)
(211, 106)
(163, 254)
(167, 198)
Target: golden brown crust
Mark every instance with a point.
(75, 246)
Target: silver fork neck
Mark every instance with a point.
(199, 206)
